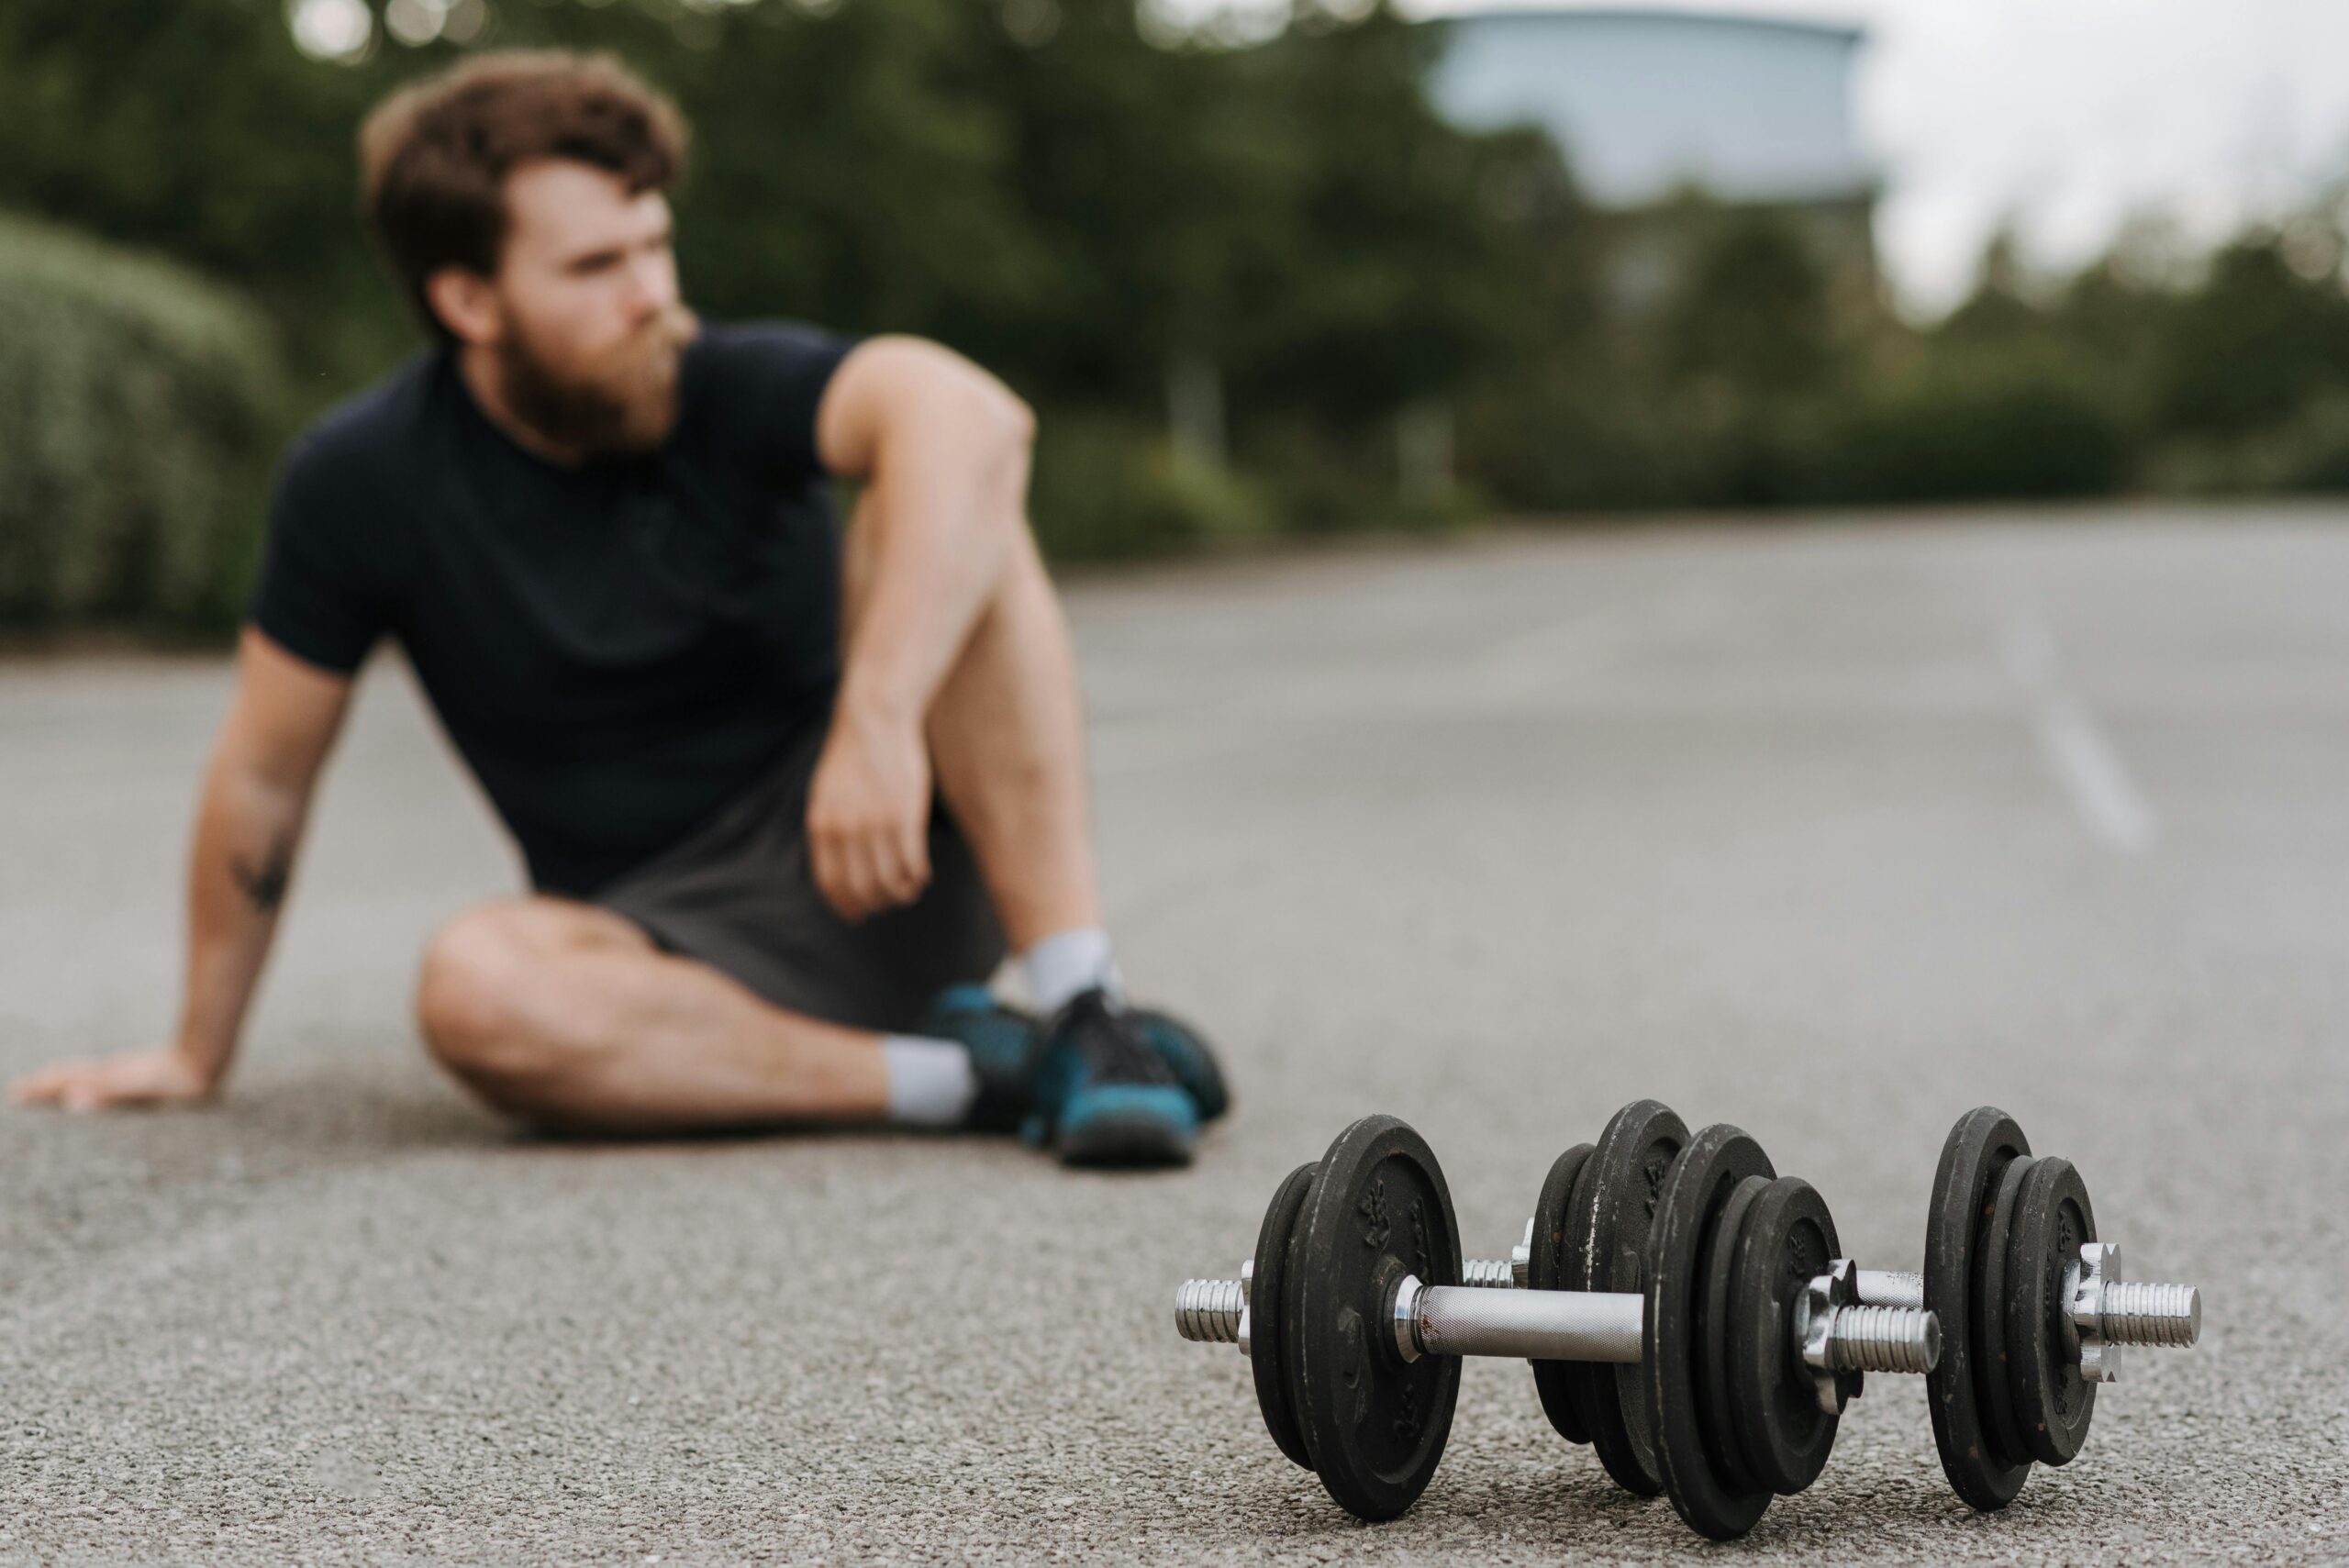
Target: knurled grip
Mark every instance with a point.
(1889, 1287)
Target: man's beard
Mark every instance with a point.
(623, 401)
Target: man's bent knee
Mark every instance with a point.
(480, 996)
(465, 994)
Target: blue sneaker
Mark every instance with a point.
(1005, 1051)
(1007, 1045)
(1105, 1095)
(1185, 1051)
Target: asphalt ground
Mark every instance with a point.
(1830, 831)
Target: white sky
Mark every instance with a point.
(2068, 116)
(2071, 113)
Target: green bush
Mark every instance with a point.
(1107, 488)
(2309, 452)
(140, 407)
(1999, 435)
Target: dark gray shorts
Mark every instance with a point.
(740, 894)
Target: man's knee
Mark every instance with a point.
(474, 997)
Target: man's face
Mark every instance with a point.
(590, 328)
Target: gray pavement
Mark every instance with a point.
(1829, 830)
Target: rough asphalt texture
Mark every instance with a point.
(1759, 821)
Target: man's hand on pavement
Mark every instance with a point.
(868, 813)
(108, 1082)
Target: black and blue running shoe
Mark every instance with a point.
(1005, 1049)
(1105, 1094)
(1185, 1053)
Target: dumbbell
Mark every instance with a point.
(1726, 1316)
(2032, 1308)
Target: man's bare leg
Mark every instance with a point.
(565, 1014)
(1006, 740)
(1007, 744)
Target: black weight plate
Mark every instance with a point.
(1696, 1190)
(1267, 1350)
(1375, 1423)
(1719, 1268)
(1790, 1238)
(1965, 1184)
(2053, 1404)
(1545, 1270)
(1996, 1383)
(1609, 1217)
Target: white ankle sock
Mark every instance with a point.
(931, 1082)
(1067, 963)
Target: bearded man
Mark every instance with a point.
(785, 800)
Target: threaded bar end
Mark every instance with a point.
(2138, 1313)
(1883, 1339)
(1488, 1273)
(1207, 1310)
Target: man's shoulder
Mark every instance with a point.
(727, 357)
(752, 389)
(333, 565)
(769, 337)
(356, 443)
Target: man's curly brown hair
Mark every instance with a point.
(434, 156)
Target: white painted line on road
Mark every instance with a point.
(2084, 761)
(2092, 771)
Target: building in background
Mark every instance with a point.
(1651, 106)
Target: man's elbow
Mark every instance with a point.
(1009, 422)
(1006, 427)
(1022, 420)
(977, 402)
(962, 409)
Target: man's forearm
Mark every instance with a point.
(946, 500)
(247, 831)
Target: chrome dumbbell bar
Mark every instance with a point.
(2108, 1311)
(1833, 1330)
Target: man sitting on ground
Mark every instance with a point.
(784, 799)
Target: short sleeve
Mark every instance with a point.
(758, 385)
(320, 597)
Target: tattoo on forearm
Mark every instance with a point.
(264, 885)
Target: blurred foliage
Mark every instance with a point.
(140, 408)
(2156, 369)
(1082, 202)
(1108, 488)
(1038, 183)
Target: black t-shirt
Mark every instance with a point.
(618, 648)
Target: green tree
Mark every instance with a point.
(2252, 345)
(1753, 312)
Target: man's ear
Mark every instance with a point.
(466, 304)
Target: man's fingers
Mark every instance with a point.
(917, 852)
(134, 1080)
(861, 872)
(819, 863)
(68, 1090)
(31, 1091)
(832, 873)
(44, 1086)
(858, 882)
(874, 875)
(901, 879)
